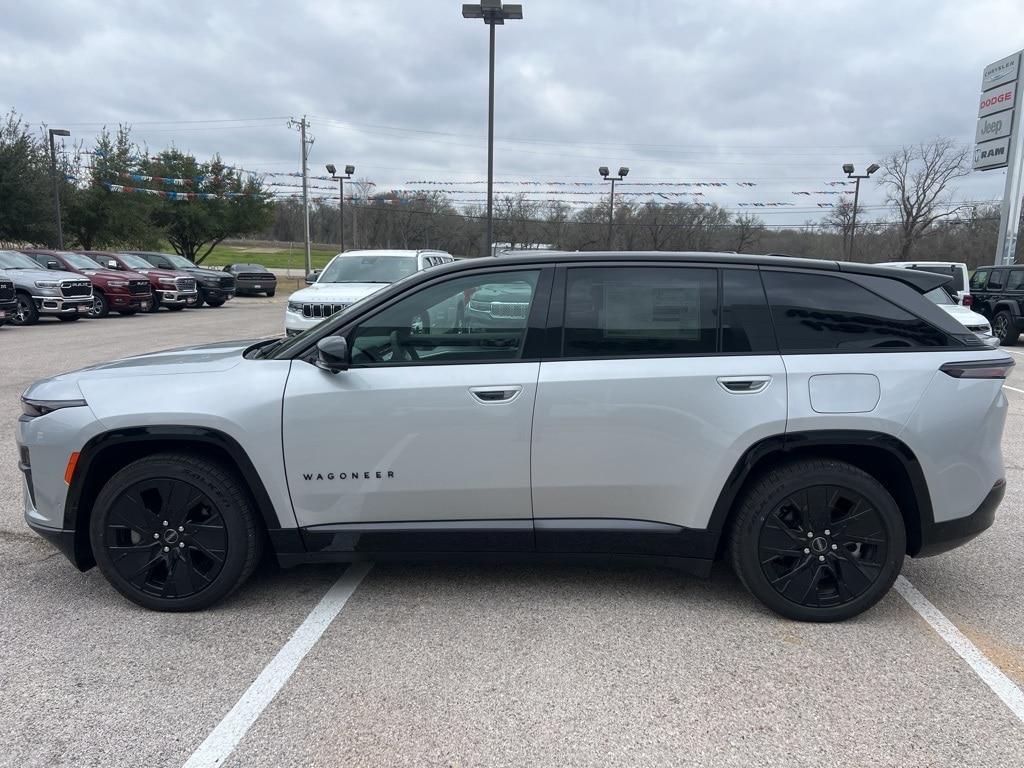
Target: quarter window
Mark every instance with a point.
(1016, 280)
(642, 311)
(978, 279)
(997, 280)
(478, 318)
(821, 312)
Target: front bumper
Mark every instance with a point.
(136, 301)
(937, 538)
(295, 323)
(215, 292)
(177, 297)
(57, 305)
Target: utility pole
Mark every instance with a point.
(303, 124)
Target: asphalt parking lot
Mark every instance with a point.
(461, 666)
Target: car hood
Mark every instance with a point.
(206, 358)
(163, 273)
(337, 293)
(112, 274)
(964, 315)
(25, 275)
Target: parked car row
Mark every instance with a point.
(37, 283)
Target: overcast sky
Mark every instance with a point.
(778, 94)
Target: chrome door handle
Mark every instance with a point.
(501, 394)
(744, 385)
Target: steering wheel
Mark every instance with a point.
(400, 351)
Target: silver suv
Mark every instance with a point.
(791, 416)
(39, 291)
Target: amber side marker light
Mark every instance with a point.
(70, 471)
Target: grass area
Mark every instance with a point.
(282, 258)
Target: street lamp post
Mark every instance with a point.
(493, 13)
(848, 170)
(349, 170)
(56, 183)
(603, 170)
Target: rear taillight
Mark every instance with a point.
(967, 300)
(979, 369)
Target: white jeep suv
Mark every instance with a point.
(791, 416)
(352, 276)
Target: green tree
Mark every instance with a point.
(235, 206)
(97, 217)
(25, 184)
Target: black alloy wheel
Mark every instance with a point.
(1002, 326)
(174, 532)
(818, 540)
(24, 312)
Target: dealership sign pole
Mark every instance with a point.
(999, 143)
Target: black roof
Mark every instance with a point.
(921, 281)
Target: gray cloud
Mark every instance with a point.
(778, 92)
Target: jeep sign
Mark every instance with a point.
(994, 127)
(997, 99)
(992, 154)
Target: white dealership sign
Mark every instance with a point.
(999, 143)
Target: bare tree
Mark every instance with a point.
(841, 218)
(917, 180)
(746, 230)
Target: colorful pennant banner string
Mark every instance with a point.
(163, 194)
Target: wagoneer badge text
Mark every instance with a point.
(383, 474)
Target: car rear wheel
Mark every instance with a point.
(817, 540)
(24, 312)
(173, 532)
(1004, 328)
(100, 305)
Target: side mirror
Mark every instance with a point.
(332, 354)
(312, 276)
(52, 264)
(111, 264)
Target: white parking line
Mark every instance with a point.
(229, 731)
(1011, 351)
(1001, 685)
(1007, 386)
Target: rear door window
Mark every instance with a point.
(978, 279)
(818, 313)
(746, 321)
(640, 311)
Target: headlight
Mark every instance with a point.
(35, 408)
(117, 284)
(295, 306)
(47, 284)
(166, 280)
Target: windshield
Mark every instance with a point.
(134, 262)
(80, 261)
(368, 269)
(178, 262)
(939, 296)
(12, 260)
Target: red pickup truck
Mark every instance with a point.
(123, 292)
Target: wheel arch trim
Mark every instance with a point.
(920, 520)
(98, 445)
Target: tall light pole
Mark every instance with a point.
(349, 170)
(848, 170)
(493, 13)
(603, 170)
(56, 183)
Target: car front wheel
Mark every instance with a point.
(25, 312)
(100, 305)
(173, 532)
(817, 540)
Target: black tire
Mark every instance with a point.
(208, 548)
(216, 302)
(807, 574)
(25, 312)
(100, 305)
(69, 318)
(1004, 328)
(270, 294)
(154, 303)
(200, 297)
